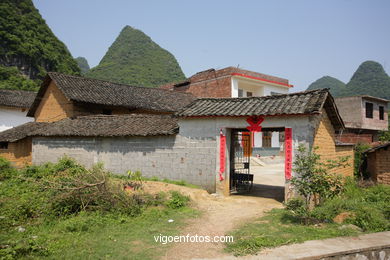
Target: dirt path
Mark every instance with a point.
(220, 215)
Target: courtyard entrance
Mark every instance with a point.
(257, 163)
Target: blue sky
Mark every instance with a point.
(298, 40)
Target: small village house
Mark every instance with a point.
(14, 105)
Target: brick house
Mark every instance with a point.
(231, 82)
(14, 105)
(167, 134)
(364, 117)
(378, 163)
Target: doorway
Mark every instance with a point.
(257, 163)
(240, 156)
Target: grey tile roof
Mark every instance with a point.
(21, 131)
(93, 91)
(112, 125)
(16, 98)
(300, 103)
(97, 126)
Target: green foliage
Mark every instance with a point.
(384, 136)
(63, 207)
(315, 182)
(83, 65)
(11, 78)
(369, 79)
(135, 59)
(177, 200)
(369, 207)
(359, 149)
(28, 43)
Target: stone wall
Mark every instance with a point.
(170, 157)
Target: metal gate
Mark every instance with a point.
(241, 150)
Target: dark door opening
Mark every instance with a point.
(240, 155)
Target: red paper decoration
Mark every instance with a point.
(222, 148)
(254, 122)
(288, 153)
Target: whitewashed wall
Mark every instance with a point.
(12, 117)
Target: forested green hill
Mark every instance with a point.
(28, 48)
(135, 59)
(369, 79)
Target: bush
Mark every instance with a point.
(360, 148)
(6, 171)
(177, 200)
(369, 207)
(315, 182)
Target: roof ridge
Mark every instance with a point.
(124, 115)
(265, 97)
(120, 84)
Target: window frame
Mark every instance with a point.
(381, 113)
(369, 112)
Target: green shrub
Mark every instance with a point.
(359, 149)
(315, 183)
(370, 219)
(6, 171)
(177, 200)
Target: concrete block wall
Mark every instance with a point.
(171, 157)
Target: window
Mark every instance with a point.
(240, 93)
(107, 112)
(275, 93)
(381, 113)
(249, 94)
(3, 145)
(369, 110)
(267, 139)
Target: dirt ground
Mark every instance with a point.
(222, 214)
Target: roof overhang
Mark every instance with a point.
(262, 79)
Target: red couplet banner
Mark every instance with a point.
(222, 149)
(288, 152)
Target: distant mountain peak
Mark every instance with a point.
(135, 59)
(83, 64)
(369, 79)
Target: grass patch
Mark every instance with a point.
(66, 211)
(369, 212)
(280, 227)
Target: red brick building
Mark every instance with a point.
(231, 82)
